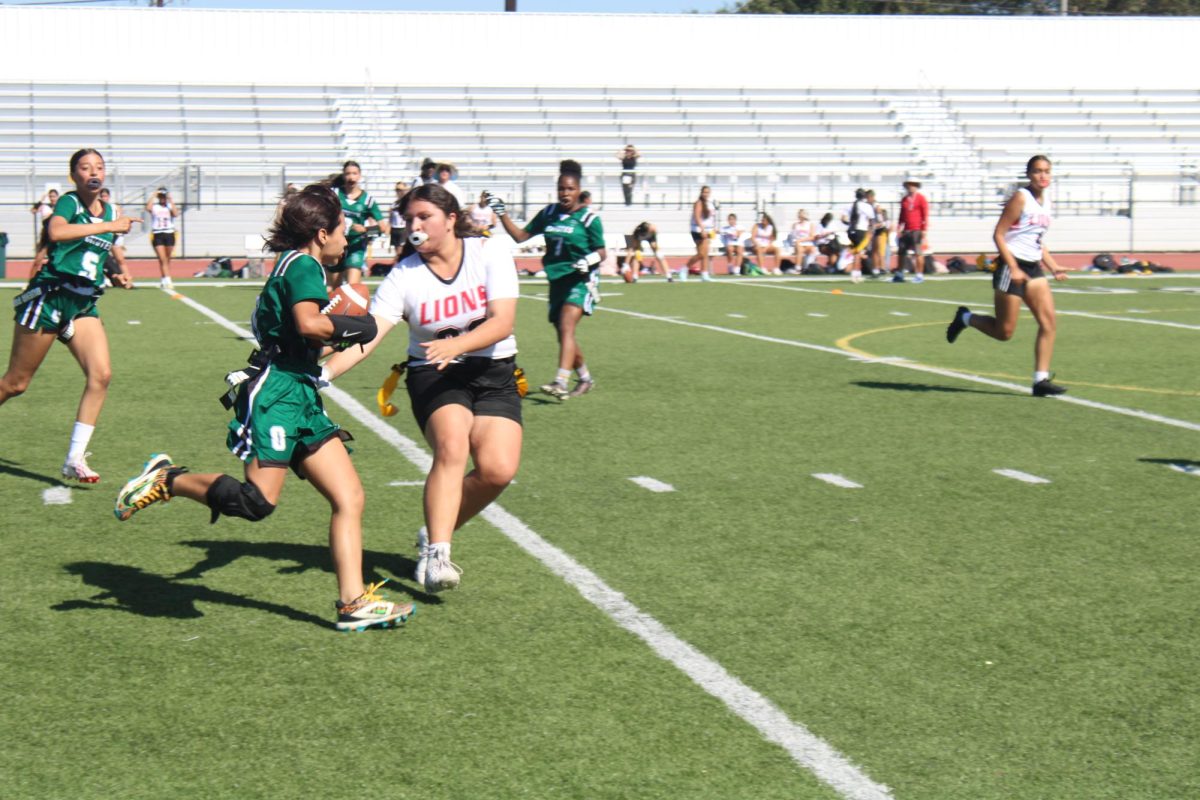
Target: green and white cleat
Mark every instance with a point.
(369, 610)
(147, 487)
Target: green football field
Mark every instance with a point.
(856, 562)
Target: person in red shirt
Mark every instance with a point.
(911, 228)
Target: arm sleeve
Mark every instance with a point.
(388, 301)
(595, 234)
(502, 281)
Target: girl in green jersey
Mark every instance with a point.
(60, 303)
(574, 250)
(280, 421)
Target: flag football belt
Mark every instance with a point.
(43, 289)
(256, 363)
(384, 396)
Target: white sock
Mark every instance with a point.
(439, 548)
(1038, 377)
(562, 377)
(81, 434)
(583, 373)
(857, 273)
(966, 318)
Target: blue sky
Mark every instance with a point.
(612, 6)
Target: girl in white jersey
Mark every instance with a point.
(163, 212)
(1019, 275)
(703, 220)
(458, 293)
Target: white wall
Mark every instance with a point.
(220, 46)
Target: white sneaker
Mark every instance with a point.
(683, 274)
(705, 277)
(441, 573)
(166, 284)
(422, 555)
(78, 470)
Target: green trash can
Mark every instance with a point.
(3, 254)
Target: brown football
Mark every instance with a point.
(351, 299)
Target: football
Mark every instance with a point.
(351, 299)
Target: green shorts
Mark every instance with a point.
(279, 419)
(355, 257)
(574, 290)
(54, 310)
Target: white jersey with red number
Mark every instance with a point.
(1024, 238)
(438, 309)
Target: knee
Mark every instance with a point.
(1005, 332)
(497, 473)
(349, 500)
(451, 451)
(100, 378)
(14, 385)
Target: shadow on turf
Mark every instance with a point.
(130, 589)
(302, 558)
(924, 387)
(10, 468)
(1172, 462)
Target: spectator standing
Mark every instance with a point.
(482, 218)
(704, 218)
(629, 158)
(445, 175)
(163, 213)
(396, 218)
(42, 211)
(428, 174)
(858, 218)
(911, 229)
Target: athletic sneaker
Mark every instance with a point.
(442, 573)
(146, 488)
(918, 278)
(957, 325)
(898, 277)
(1045, 388)
(555, 390)
(705, 277)
(369, 610)
(422, 555)
(167, 284)
(78, 470)
(582, 387)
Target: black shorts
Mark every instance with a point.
(486, 386)
(697, 238)
(397, 237)
(856, 238)
(1002, 280)
(163, 240)
(910, 242)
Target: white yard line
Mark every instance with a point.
(407, 483)
(57, 496)
(652, 484)
(903, 363)
(1017, 475)
(837, 480)
(807, 749)
(855, 293)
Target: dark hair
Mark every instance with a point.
(569, 168)
(860, 194)
(433, 193)
(79, 154)
(351, 164)
(706, 212)
(643, 229)
(767, 217)
(584, 196)
(314, 208)
(826, 219)
(1029, 164)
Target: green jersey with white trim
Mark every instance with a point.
(569, 237)
(80, 258)
(296, 278)
(357, 211)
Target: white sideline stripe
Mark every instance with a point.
(837, 480)
(1016, 474)
(807, 749)
(652, 484)
(57, 496)
(1060, 312)
(1186, 469)
(913, 365)
(407, 483)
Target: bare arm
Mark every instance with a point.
(60, 230)
(501, 315)
(518, 234)
(1059, 273)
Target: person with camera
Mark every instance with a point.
(163, 213)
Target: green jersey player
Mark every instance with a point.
(574, 249)
(60, 302)
(362, 213)
(280, 422)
